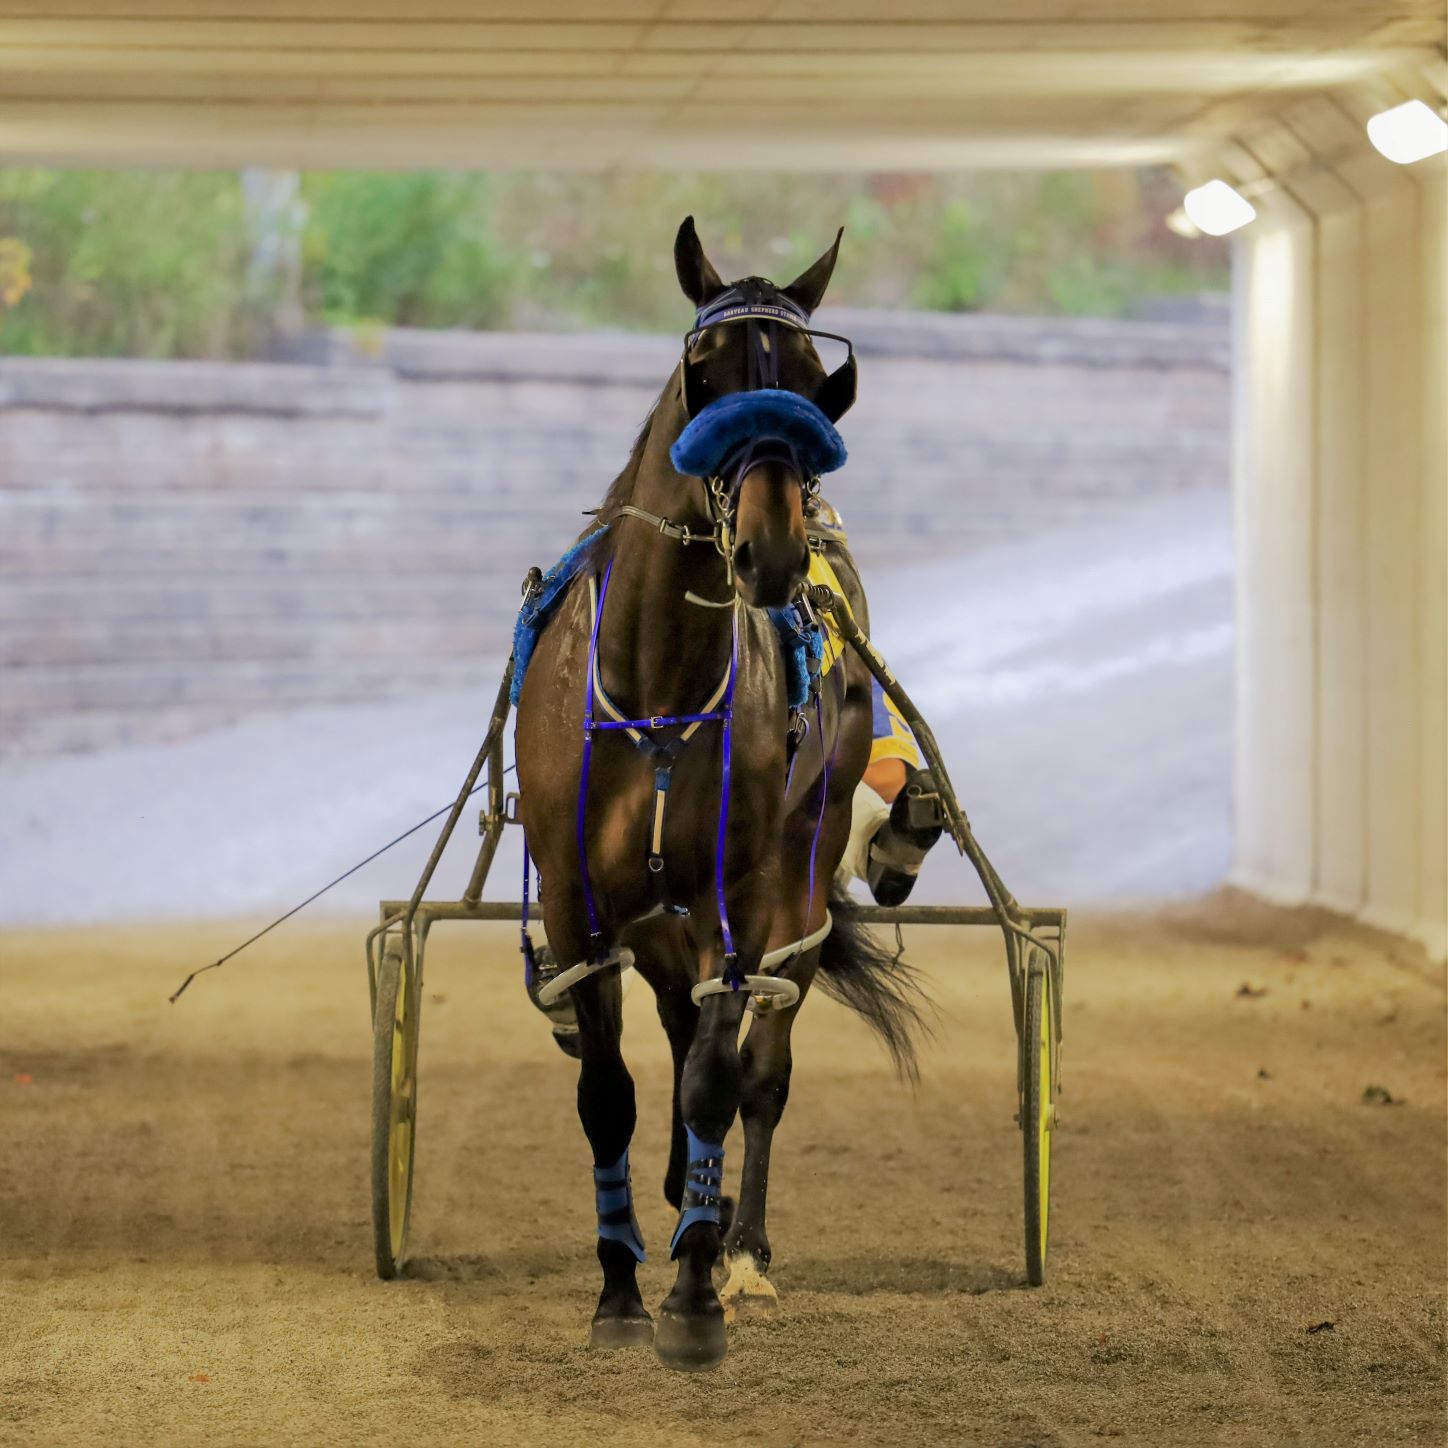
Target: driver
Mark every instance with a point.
(896, 815)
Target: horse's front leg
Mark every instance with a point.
(766, 1061)
(691, 1333)
(680, 1015)
(766, 1057)
(606, 1109)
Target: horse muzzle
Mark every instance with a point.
(771, 549)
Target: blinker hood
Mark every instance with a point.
(744, 420)
(759, 304)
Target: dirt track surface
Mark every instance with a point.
(185, 1245)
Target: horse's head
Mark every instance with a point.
(751, 336)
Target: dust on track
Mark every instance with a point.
(185, 1244)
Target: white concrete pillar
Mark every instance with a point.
(1341, 498)
(1273, 787)
(1432, 663)
(1340, 753)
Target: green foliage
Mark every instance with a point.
(1084, 244)
(142, 264)
(954, 278)
(14, 270)
(161, 263)
(414, 250)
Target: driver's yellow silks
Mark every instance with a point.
(892, 738)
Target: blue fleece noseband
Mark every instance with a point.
(768, 414)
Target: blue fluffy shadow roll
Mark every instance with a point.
(741, 418)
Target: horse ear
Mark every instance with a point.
(836, 395)
(698, 278)
(808, 288)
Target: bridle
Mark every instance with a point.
(762, 321)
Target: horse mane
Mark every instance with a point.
(620, 490)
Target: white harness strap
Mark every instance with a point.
(565, 980)
(769, 992)
(617, 714)
(787, 953)
(663, 756)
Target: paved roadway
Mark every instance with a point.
(1080, 687)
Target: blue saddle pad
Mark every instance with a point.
(534, 614)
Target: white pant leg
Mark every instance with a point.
(867, 813)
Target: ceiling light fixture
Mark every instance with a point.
(1217, 208)
(1409, 132)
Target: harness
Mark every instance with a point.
(663, 753)
(652, 736)
(763, 309)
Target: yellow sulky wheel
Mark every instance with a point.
(1038, 1111)
(394, 1108)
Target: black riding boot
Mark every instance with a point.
(900, 844)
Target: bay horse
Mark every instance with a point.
(739, 863)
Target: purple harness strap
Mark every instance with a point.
(655, 721)
(731, 958)
(826, 762)
(814, 844)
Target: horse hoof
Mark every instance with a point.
(691, 1344)
(748, 1292)
(608, 1334)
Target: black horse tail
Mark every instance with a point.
(877, 984)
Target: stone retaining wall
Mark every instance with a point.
(184, 543)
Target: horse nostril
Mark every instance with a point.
(742, 554)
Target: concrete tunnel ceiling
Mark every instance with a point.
(686, 84)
